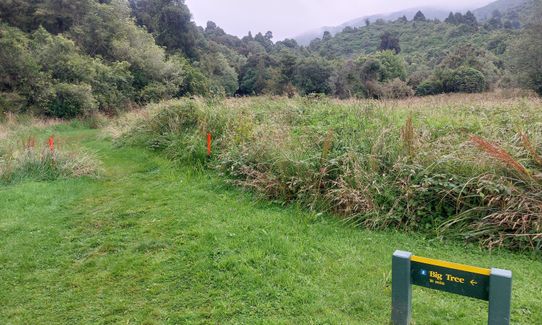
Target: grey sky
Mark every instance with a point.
(288, 18)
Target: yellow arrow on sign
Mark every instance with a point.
(473, 283)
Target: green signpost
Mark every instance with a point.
(493, 285)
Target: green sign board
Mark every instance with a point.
(493, 285)
(450, 277)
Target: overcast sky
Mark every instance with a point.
(288, 18)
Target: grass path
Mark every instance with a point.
(152, 243)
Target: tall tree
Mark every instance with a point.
(171, 23)
(451, 19)
(419, 16)
(388, 41)
(470, 20)
(528, 53)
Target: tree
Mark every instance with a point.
(419, 16)
(458, 17)
(465, 80)
(389, 42)
(451, 19)
(170, 21)
(265, 40)
(527, 54)
(312, 76)
(254, 75)
(496, 20)
(470, 20)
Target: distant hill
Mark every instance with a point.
(482, 14)
(429, 12)
(503, 6)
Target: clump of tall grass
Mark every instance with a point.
(23, 157)
(419, 164)
(44, 165)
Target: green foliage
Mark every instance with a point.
(366, 76)
(312, 76)
(527, 53)
(462, 80)
(223, 78)
(389, 42)
(419, 16)
(398, 164)
(71, 100)
(465, 80)
(180, 240)
(430, 87)
(147, 50)
(170, 22)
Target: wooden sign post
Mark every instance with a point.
(493, 285)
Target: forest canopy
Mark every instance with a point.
(72, 58)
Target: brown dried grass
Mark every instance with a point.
(500, 154)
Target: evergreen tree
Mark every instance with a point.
(419, 16)
(470, 20)
(389, 42)
(451, 19)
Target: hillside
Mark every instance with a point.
(425, 39)
(110, 56)
(429, 12)
(485, 13)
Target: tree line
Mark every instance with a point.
(70, 58)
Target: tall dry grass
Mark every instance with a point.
(427, 164)
(26, 155)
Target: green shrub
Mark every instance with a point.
(397, 88)
(11, 102)
(72, 100)
(430, 87)
(466, 80)
(155, 91)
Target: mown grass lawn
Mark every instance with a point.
(150, 242)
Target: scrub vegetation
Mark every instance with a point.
(467, 167)
(67, 61)
(413, 134)
(153, 242)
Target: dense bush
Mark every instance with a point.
(103, 49)
(461, 80)
(379, 164)
(397, 88)
(72, 100)
(146, 50)
(526, 55)
(465, 80)
(430, 87)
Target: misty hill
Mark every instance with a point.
(429, 12)
(482, 14)
(485, 13)
(420, 39)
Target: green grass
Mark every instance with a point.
(151, 242)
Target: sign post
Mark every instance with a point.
(493, 285)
